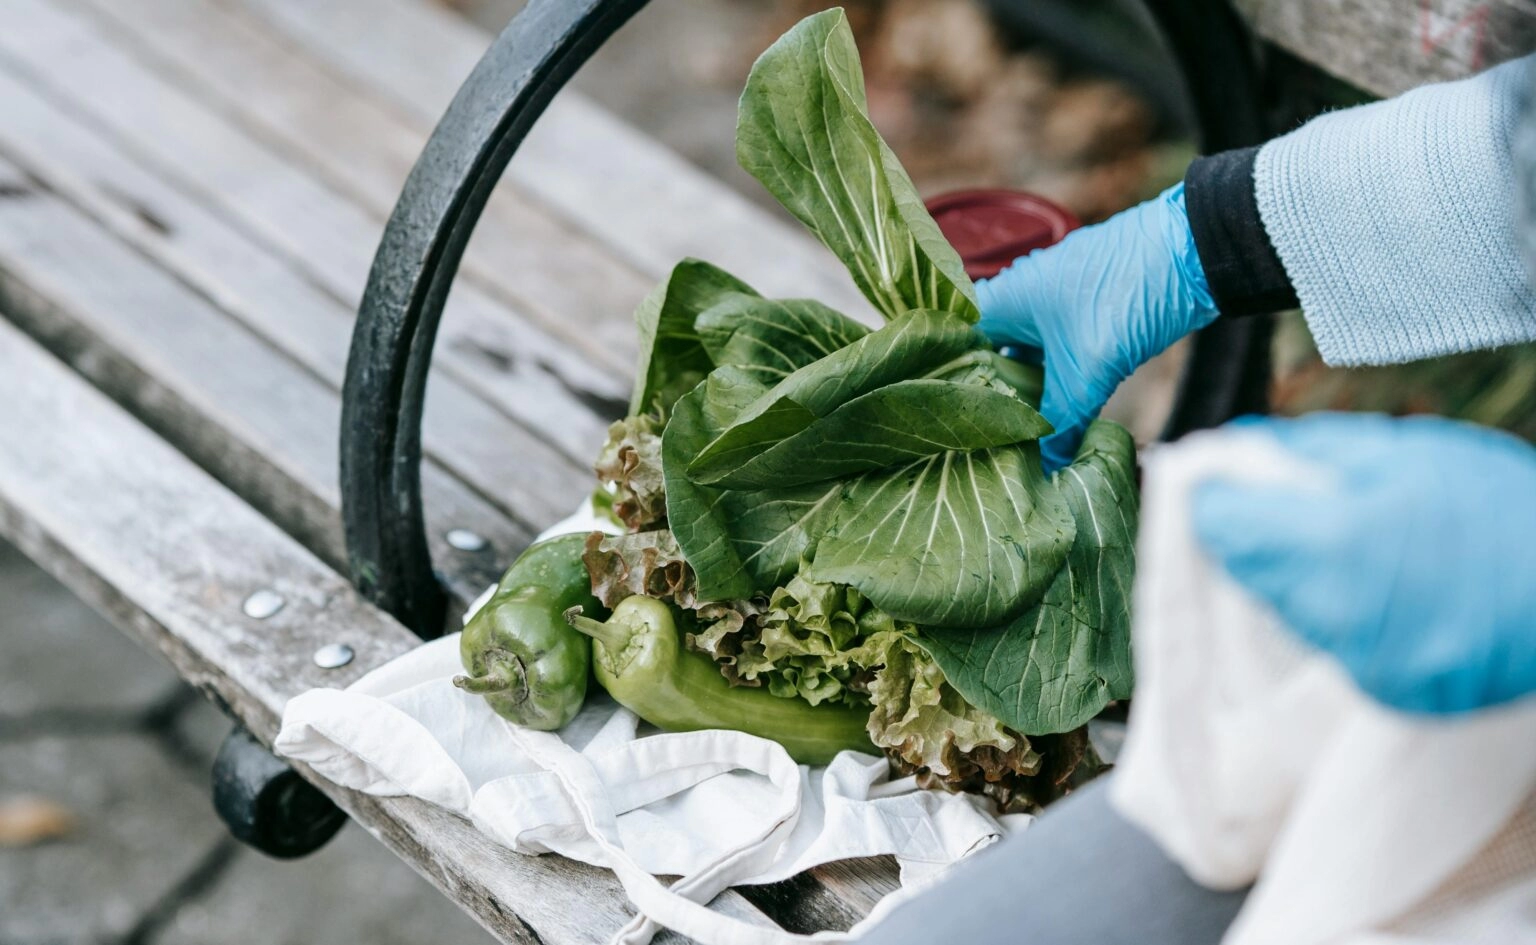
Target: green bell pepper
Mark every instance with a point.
(637, 657)
(519, 653)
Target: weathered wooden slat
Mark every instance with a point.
(243, 410)
(652, 206)
(169, 555)
(573, 286)
(1389, 46)
(538, 380)
(499, 458)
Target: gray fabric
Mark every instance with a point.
(1396, 222)
(1080, 875)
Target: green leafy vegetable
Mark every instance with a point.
(957, 539)
(886, 427)
(804, 132)
(772, 338)
(834, 511)
(908, 347)
(1053, 667)
(630, 467)
(985, 366)
(672, 357)
(804, 643)
(737, 542)
(926, 723)
(825, 643)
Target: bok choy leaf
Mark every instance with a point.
(1054, 666)
(773, 338)
(908, 347)
(672, 356)
(804, 132)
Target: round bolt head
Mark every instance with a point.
(465, 540)
(263, 604)
(333, 656)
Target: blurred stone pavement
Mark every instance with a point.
(107, 830)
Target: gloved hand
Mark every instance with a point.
(1416, 568)
(1099, 304)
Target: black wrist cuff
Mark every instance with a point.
(1241, 266)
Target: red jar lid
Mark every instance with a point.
(992, 228)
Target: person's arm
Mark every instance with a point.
(1391, 224)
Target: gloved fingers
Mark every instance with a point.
(1005, 330)
(1057, 450)
(1010, 303)
(1289, 547)
(1064, 413)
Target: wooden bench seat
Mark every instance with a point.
(170, 554)
(191, 193)
(1390, 46)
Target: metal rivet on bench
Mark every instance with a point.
(263, 604)
(465, 540)
(333, 656)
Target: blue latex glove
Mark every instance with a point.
(1098, 305)
(1416, 569)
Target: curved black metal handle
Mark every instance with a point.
(447, 190)
(417, 259)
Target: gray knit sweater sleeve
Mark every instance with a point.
(1396, 222)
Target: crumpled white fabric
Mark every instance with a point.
(717, 808)
(1251, 757)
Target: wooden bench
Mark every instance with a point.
(191, 193)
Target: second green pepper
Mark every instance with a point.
(638, 658)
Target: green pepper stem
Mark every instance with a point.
(481, 685)
(501, 675)
(611, 637)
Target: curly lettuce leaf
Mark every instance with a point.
(803, 643)
(629, 467)
(645, 563)
(924, 721)
(804, 132)
(827, 643)
(1057, 664)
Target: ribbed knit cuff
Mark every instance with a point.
(1241, 265)
(1396, 222)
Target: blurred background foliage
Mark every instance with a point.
(1071, 99)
